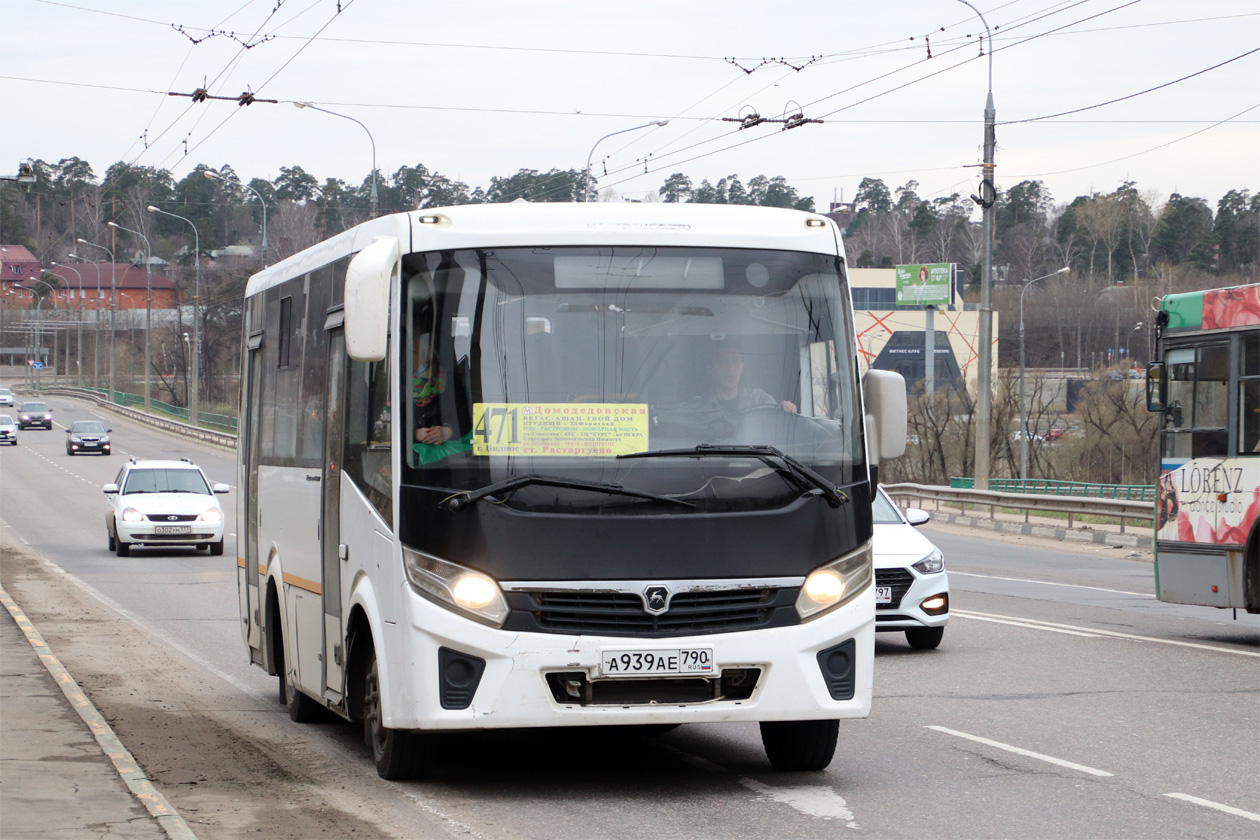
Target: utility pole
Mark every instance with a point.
(986, 200)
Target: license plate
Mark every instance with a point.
(883, 594)
(656, 663)
(172, 529)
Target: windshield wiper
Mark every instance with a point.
(810, 480)
(459, 501)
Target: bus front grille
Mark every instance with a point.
(623, 614)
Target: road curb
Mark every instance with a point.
(172, 824)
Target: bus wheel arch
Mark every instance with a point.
(397, 754)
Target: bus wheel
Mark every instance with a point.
(800, 744)
(302, 709)
(398, 755)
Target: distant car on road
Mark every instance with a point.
(35, 413)
(87, 436)
(911, 587)
(6, 396)
(8, 430)
(163, 503)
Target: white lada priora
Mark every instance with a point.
(163, 503)
(911, 586)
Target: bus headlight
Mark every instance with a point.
(835, 584)
(469, 592)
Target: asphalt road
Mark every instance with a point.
(1065, 701)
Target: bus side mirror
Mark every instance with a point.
(1155, 386)
(886, 421)
(367, 299)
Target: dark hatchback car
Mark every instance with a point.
(87, 436)
(35, 414)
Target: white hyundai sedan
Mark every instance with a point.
(163, 503)
(911, 586)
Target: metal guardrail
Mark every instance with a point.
(1073, 506)
(1054, 487)
(215, 438)
(219, 422)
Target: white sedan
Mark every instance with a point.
(163, 503)
(8, 430)
(911, 586)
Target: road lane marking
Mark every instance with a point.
(1207, 803)
(1024, 624)
(141, 787)
(1051, 626)
(1018, 751)
(821, 801)
(1053, 583)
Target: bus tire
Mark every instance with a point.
(793, 745)
(302, 709)
(398, 755)
(925, 638)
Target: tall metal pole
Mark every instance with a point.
(148, 311)
(196, 351)
(80, 350)
(1023, 417)
(113, 309)
(586, 194)
(96, 319)
(373, 200)
(986, 200)
(210, 173)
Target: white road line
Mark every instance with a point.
(1024, 624)
(1090, 631)
(952, 573)
(1207, 803)
(1028, 753)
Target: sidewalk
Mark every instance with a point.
(57, 778)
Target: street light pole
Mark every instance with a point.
(1023, 418)
(80, 276)
(210, 173)
(96, 310)
(586, 194)
(196, 351)
(373, 200)
(113, 309)
(986, 200)
(148, 310)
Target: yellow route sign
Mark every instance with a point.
(575, 430)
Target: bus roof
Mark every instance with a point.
(1213, 309)
(557, 224)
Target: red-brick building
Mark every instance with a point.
(89, 285)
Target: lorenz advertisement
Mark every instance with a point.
(1208, 500)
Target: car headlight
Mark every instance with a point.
(26, 417)
(933, 563)
(835, 584)
(469, 592)
(132, 515)
(212, 515)
(75, 439)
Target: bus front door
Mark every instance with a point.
(330, 516)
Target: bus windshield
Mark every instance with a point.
(552, 362)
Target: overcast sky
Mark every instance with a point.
(475, 90)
